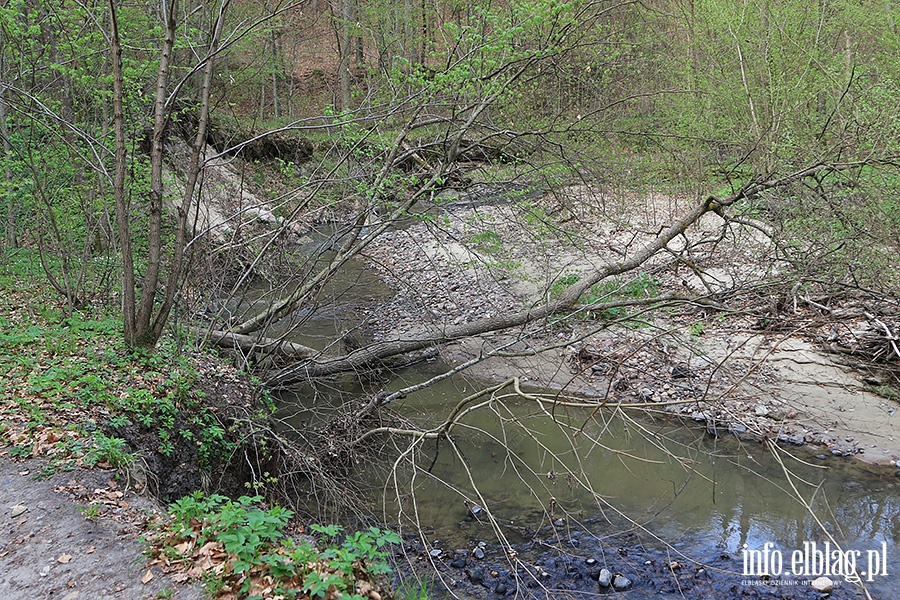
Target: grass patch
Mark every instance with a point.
(642, 285)
(486, 241)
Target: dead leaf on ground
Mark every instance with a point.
(208, 548)
(64, 558)
(147, 576)
(183, 548)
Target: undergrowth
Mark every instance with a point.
(642, 285)
(72, 386)
(239, 549)
(75, 394)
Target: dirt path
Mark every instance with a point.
(49, 549)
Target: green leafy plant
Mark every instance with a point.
(21, 450)
(253, 538)
(90, 512)
(108, 449)
(486, 241)
(886, 391)
(562, 283)
(641, 286)
(413, 590)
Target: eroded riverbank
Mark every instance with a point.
(758, 373)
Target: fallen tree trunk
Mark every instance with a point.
(362, 358)
(252, 345)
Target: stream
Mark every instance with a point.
(645, 495)
(673, 510)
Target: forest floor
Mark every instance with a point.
(762, 359)
(93, 439)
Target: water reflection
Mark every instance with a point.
(533, 463)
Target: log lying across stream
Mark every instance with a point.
(252, 344)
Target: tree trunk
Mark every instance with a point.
(173, 282)
(345, 50)
(143, 330)
(11, 237)
(122, 208)
(250, 344)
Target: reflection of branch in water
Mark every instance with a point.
(504, 402)
(790, 476)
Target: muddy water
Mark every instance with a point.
(673, 485)
(340, 305)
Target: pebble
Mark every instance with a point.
(604, 578)
(621, 582)
(681, 372)
(822, 584)
(794, 440)
(18, 509)
(478, 553)
(476, 575)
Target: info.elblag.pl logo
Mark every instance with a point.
(815, 560)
